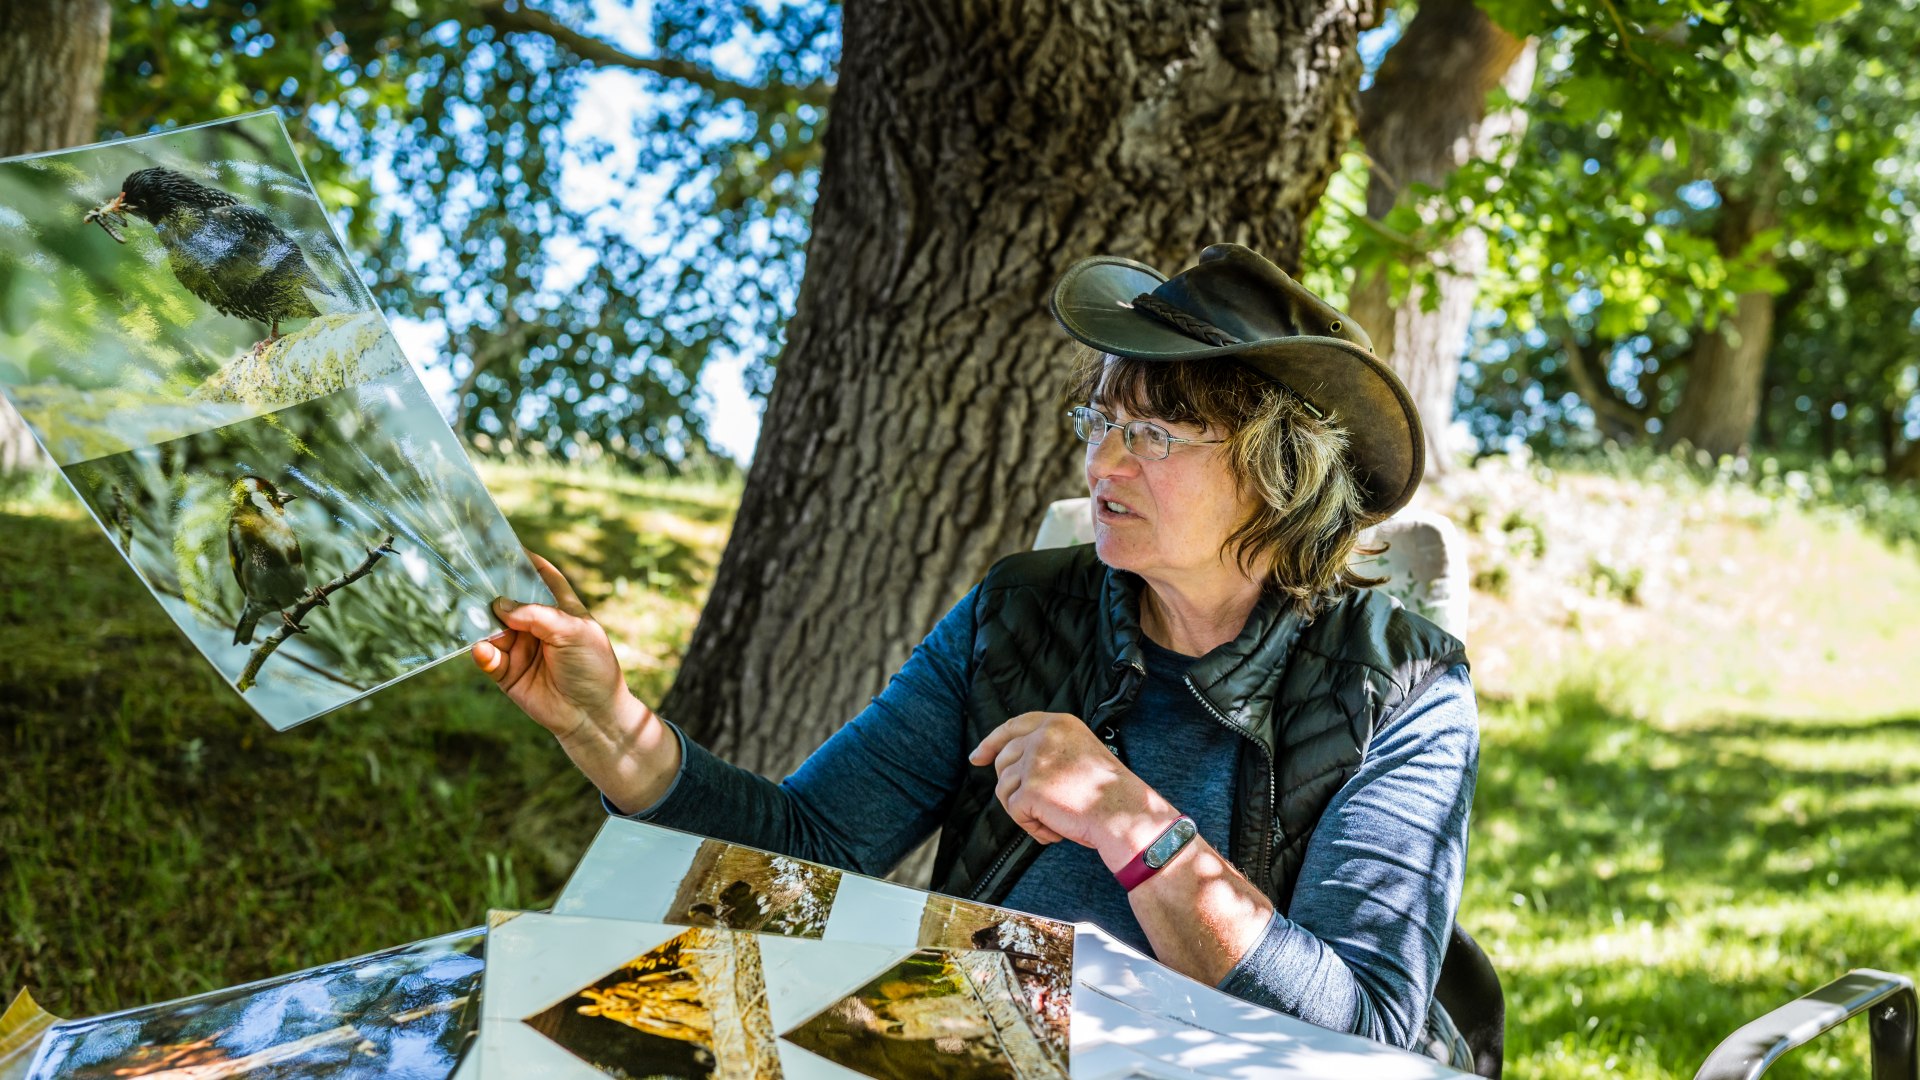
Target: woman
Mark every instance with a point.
(1203, 731)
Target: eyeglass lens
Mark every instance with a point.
(1143, 438)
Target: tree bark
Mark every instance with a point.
(1721, 398)
(915, 431)
(1726, 368)
(1904, 465)
(53, 57)
(1424, 116)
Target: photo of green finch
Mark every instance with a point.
(265, 554)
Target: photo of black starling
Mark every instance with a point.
(265, 554)
(228, 254)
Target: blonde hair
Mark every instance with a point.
(1308, 507)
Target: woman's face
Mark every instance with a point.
(1178, 511)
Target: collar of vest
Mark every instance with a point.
(1237, 681)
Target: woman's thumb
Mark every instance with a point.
(546, 623)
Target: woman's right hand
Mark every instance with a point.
(558, 665)
(554, 662)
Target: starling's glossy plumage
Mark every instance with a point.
(230, 255)
(264, 552)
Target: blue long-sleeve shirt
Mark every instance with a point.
(1358, 950)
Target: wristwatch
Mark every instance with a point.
(1157, 854)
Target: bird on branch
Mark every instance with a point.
(265, 555)
(228, 254)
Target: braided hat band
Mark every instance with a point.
(1181, 321)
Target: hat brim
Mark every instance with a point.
(1359, 393)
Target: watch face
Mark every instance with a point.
(1170, 843)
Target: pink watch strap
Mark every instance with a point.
(1157, 854)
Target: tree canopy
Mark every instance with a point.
(1769, 164)
(1679, 156)
(584, 274)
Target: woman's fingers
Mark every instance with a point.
(1009, 793)
(488, 657)
(546, 623)
(563, 594)
(505, 656)
(999, 737)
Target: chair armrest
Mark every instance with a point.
(1888, 1001)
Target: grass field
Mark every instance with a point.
(1700, 761)
(158, 840)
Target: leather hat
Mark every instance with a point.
(1234, 304)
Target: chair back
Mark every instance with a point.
(1469, 989)
(1425, 562)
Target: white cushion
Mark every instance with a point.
(1425, 563)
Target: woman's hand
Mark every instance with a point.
(558, 665)
(554, 662)
(1058, 781)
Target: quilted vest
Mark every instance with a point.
(1058, 631)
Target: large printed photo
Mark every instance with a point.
(184, 334)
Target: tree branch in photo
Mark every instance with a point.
(308, 603)
(520, 19)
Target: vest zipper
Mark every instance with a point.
(1266, 832)
(980, 887)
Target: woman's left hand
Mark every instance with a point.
(1058, 781)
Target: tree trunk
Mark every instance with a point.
(1722, 394)
(915, 432)
(53, 56)
(1904, 466)
(1424, 116)
(1726, 370)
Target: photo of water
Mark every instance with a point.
(407, 1012)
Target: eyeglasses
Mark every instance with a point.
(1144, 438)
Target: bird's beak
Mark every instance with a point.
(109, 214)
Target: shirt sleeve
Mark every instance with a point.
(1360, 948)
(865, 798)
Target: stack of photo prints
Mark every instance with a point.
(674, 955)
(182, 331)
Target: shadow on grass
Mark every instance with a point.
(159, 840)
(1670, 885)
(1617, 810)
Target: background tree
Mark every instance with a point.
(54, 56)
(914, 434)
(572, 319)
(1431, 109)
(1443, 182)
(1649, 302)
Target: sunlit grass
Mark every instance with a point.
(1718, 815)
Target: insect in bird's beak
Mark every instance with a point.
(111, 216)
